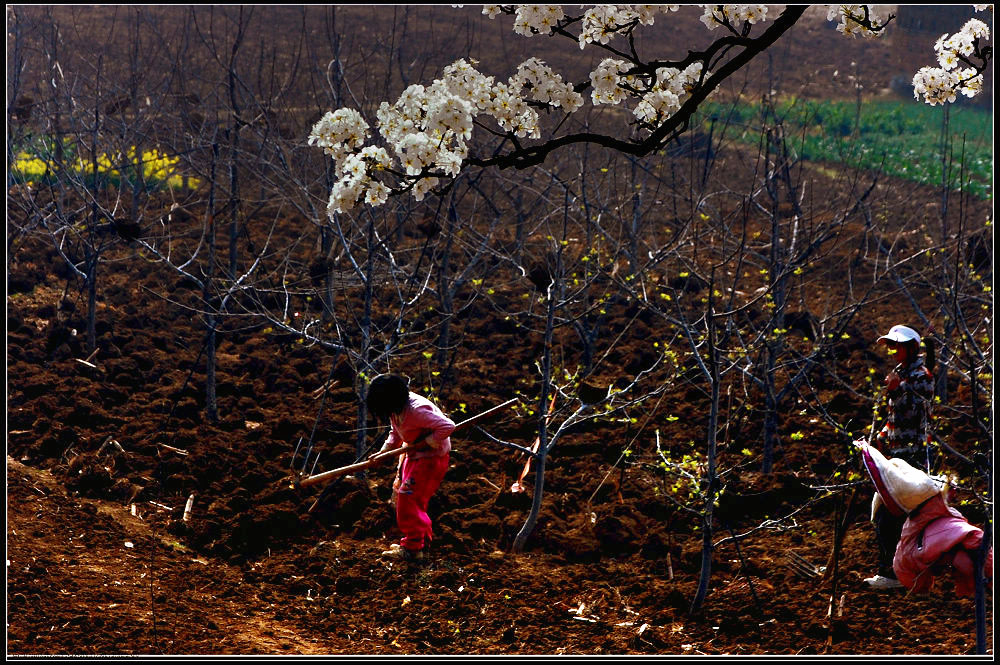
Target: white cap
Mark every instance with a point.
(901, 334)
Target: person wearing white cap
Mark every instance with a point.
(910, 388)
(906, 434)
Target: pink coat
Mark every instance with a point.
(935, 537)
(420, 418)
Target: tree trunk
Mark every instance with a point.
(366, 320)
(706, 556)
(711, 480)
(445, 292)
(777, 261)
(326, 250)
(234, 204)
(770, 413)
(211, 405)
(536, 503)
(234, 137)
(635, 224)
(362, 391)
(543, 416)
(980, 559)
(92, 299)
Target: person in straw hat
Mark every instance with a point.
(905, 436)
(935, 537)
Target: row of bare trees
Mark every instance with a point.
(754, 284)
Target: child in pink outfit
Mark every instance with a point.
(416, 421)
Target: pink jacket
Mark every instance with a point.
(421, 417)
(934, 537)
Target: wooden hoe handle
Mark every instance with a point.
(371, 461)
(375, 459)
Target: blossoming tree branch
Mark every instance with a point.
(424, 137)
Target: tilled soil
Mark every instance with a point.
(105, 450)
(103, 456)
(85, 576)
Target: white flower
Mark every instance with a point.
(600, 23)
(450, 114)
(423, 186)
(657, 106)
(376, 157)
(530, 20)
(339, 132)
(344, 196)
(605, 81)
(715, 15)
(647, 13)
(491, 10)
(545, 85)
(962, 42)
(850, 17)
(353, 166)
(948, 59)
(415, 151)
(450, 161)
(977, 29)
(377, 194)
(754, 13)
(712, 17)
(939, 86)
(936, 85)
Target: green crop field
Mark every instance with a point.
(904, 139)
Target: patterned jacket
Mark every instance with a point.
(907, 430)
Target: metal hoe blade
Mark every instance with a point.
(802, 566)
(298, 474)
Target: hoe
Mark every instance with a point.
(301, 480)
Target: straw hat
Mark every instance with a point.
(901, 487)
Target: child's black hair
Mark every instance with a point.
(930, 359)
(388, 394)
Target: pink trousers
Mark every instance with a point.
(419, 480)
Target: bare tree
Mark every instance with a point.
(90, 132)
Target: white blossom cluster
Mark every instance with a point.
(940, 85)
(339, 133)
(851, 16)
(671, 89)
(545, 85)
(607, 81)
(492, 11)
(611, 84)
(716, 15)
(356, 182)
(500, 100)
(532, 19)
(602, 22)
(426, 130)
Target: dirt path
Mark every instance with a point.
(81, 570)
